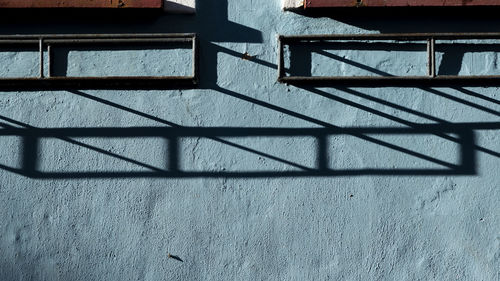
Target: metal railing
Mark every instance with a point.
(49, 81)
(431, 79)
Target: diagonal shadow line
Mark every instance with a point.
(402, 121)
(262, 154)
(474, 94)
(124, 108)
(462, 101)
(439, 93)
(240, 55)
(328, 125)
(96, 149)
(368, 68)
(154, 118)
(13, 170)
(289, 112)
(238, 131)
(393, 105)
(479, 148)
(100, 150)
(306, 118)
(353, 63)
(264, 104)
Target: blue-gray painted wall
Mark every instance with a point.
(339, 185)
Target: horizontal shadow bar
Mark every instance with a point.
(249, 174)
(464, 139)
(118, 83)
(393, 81)
(115, 132)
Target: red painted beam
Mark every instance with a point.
(81, 3)
(397, 3)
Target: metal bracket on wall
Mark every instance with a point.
(47, 81)
(431, 79)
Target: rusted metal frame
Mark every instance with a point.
(195, 61)
(107, 82)
(49, 60)
(391, 36)
(385, 81)
(40, 50)
(393, 81)
(117, 41)
(97, 36)
(396, 3)
(106, 4)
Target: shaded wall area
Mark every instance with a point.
(245, 178)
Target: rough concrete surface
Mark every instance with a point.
(339, 185)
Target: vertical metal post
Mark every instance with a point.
(195, 58)
(281, 59)
(431, 57)
(40, 49)
(49, 60)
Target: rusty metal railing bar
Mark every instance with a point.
(431, 55)
(401, 81)
(96, 36)
(118, 40)
(391, 36)
(49, 60)
(46, 82)
(40, 50)
(195, 57)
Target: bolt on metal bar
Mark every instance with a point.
(432, 78)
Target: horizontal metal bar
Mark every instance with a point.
(118, 40)
(81, 4)
(114, 82)
(393, 81)
(396, 81)
(19, 42)
(391, 36)
(397, 3)
(96, 36)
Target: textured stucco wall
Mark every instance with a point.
(248, 204)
